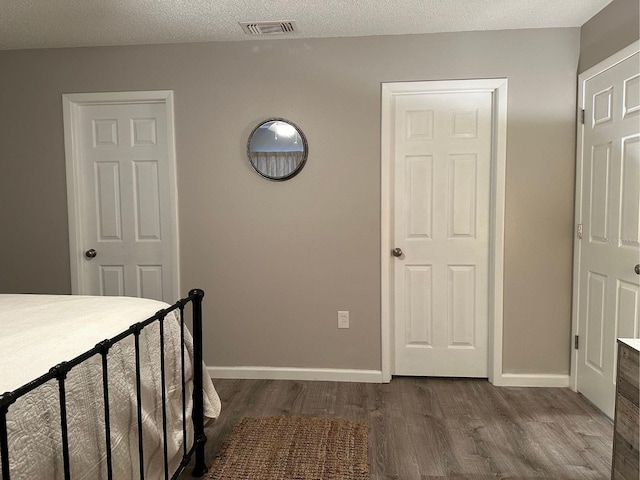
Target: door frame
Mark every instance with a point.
(588, 74)
(71, 103)
(498, 88)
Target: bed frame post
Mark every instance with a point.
(6, 399)
(200, 439)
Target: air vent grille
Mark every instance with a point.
(268, 28)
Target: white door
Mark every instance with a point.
(609, 212)
(125, 202)
(442, 157)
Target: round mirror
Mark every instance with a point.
(277, 149)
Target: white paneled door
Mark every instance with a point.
(442, 168)
(125, 213)
(608, 206)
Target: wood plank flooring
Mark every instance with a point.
(429, 428)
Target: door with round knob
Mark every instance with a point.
(91, 253)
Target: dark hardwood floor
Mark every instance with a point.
(428, 428)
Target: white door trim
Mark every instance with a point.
(498, 87)
(606, 64)
(70, 105)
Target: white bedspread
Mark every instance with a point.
(40, 331)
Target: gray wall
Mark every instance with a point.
(277, 260)
(613, 28)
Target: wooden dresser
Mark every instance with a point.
(626, 435)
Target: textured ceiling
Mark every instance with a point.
(77, 23)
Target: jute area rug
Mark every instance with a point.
(293, 448)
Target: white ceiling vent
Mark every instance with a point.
(268, 28)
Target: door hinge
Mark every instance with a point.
(582, 116)
(579, 231)
(576, 342)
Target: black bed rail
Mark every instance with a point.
(60, 371)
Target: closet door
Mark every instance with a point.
(123, 196)
(608, 205)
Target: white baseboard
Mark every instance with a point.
(291, 373)
(367, 376)
(533, 380)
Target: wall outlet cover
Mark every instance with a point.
(343, 319)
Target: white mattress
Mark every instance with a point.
(40, 331)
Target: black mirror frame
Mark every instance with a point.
(305, 151)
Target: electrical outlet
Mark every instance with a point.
(343, 319)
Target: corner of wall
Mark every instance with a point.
(613, 28)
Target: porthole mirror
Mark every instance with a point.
(277, 149)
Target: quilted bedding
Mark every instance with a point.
(39, 331)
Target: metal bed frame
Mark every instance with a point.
(59, 373)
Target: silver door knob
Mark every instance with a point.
(637, 269)
(396, 252)
(91, 253)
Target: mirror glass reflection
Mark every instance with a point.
(277, 149)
